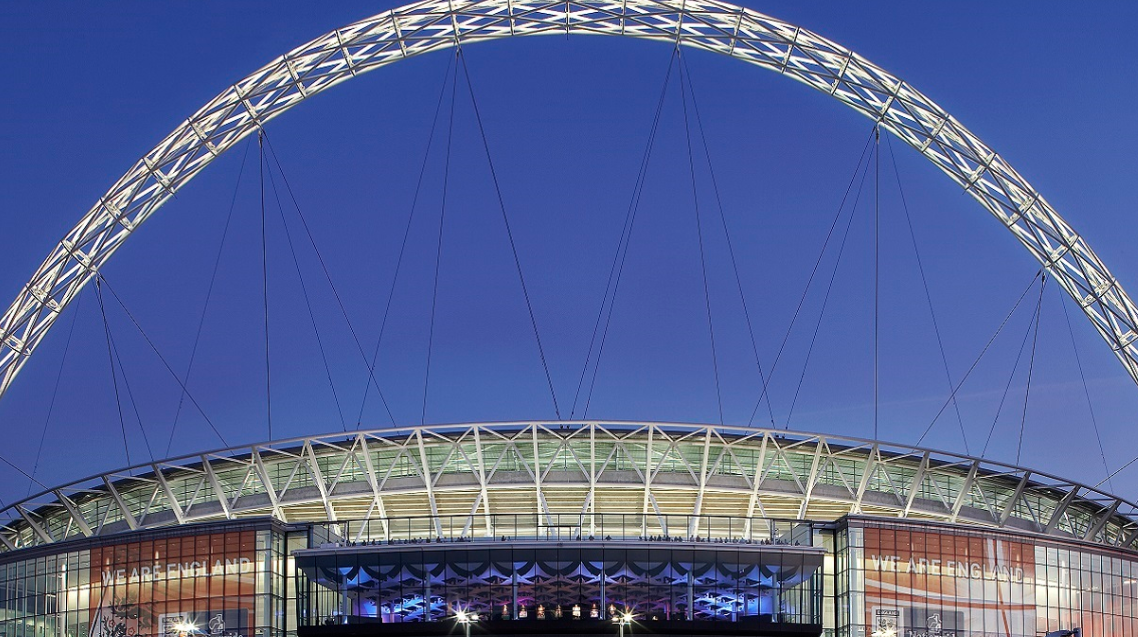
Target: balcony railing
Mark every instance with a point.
(562, 527)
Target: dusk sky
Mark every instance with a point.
(89, 88)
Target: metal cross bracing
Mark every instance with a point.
(433, 25)
(455, 480)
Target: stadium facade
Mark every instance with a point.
(569, 528)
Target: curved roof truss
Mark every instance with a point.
(433, 25)
(459, 476)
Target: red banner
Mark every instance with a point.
(175, 587)
(927, 584)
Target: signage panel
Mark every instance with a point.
(930, 584)
(175, 587)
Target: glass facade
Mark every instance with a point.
(858, 577)
(581, 580)
(221, 582)
(924, 580)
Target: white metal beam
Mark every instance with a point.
(267, 483)
(965, 491)
(35, 525)
(318, 477)
(169, 493)
(73, 510)
(131, 523)
(218, 489)
(428, 481)
(377, 497)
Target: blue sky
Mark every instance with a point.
(90, 88)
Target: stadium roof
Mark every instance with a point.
(545, 469)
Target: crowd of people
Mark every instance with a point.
(720, 540)
(773, 541)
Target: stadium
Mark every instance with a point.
(568, 528)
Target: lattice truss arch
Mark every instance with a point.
(436, 24)
(454, 478)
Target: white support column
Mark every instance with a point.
(218, 491)
(267, 483)
(965, 491)
(703, 468)
(1128, 541)
(590, 501)
(35, 526)
(1060, 510)
(466, 527)
(870, 468)
(73, 511)
(483, 493)
(377, 497)
(756, 483)
(812, 479)
(916, 485)
(429, 482)
(539, 493)
(1103, 518)
(131, 522)
(318, 477)
(1010, 506)
(647, 480)
(171, 499)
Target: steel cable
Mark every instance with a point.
(54, 395)
(1008, 386)
(114, 375)
(308, 303)
(102, 280)
(810, 279)
(699, 238)
(403, 243)
(208, 296)
(265, 286)
(928, 293)
(327, 272)
(617, 267)
(727, 237)
(978, 357)
(826, 296)
(509, 233)
(1086, 392)
(439, 245)
(1031, 365)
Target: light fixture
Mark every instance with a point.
(623, 620)
(465, 618)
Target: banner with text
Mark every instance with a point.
(928, 584)
(175, 587)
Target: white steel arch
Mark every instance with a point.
(432, 25)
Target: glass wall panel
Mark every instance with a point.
(934, 580)
(158, 585)
(570, 581)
